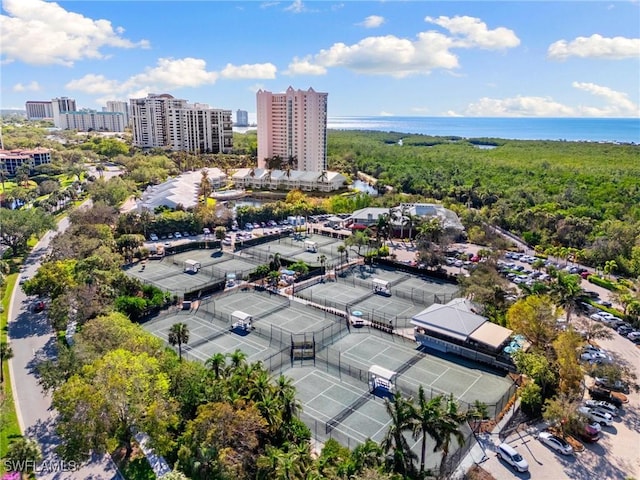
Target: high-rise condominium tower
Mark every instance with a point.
(62, 105)
(166, 122)
(293, 125)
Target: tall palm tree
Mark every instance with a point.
(179, 335)
(449, 429)
(341, 249)
(425, 418)
(216, 362)
(394, 440)
(566, 291)
(275, 261)
(285, 393)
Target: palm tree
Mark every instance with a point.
(23, 454)
(449, 428)
(275, 262)
(285, 393)
(412, 221)
(425, 418)
(5, 354)
(566, 290)
(341, 249)
(179, 335)
(383, 226)
(238, 357)
(394, 440)
(216, 363)
(322, 259)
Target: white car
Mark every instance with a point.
(509, 454)
(555, 443)
(603, 406)
(153, 237)
(177, 235)
(599, 416)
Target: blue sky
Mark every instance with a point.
(536, 58)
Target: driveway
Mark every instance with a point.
(32, 340)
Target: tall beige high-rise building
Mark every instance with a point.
(293, 125)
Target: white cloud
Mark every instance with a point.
(269, 4)
(400, 57)
(29, 87)
(595, 46)
(372, 21)
(95, 85)
(43, 33)
(175, 73)
(168, 74)
(616, 104)
(257, 70)
(296, 7)
(471, 32)
(385, 114)
(304, 67)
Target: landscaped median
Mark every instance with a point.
(9, 427)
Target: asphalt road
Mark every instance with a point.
(32, 339)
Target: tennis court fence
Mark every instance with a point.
(332, 361)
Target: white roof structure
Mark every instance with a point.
(370, 215)
(382, 372)
(239, 315)
(456, 319)
(180, 190)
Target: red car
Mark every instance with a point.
(38, 306)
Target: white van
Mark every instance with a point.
(509, 454)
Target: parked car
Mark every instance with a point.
(38, 306)
(591, 432)
(616, 385)
(509, 454)
(153, 237)
(177, 235)
(602, 418)
(603, 394)
(602, 405)
(206, 231)
(555, 443)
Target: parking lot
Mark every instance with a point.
(615, 456)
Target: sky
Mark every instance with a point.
(405, 58)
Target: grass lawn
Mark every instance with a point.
(9, 428)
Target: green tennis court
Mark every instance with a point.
(207, 338)
(418, 368)
(344, 410)
(170, 276)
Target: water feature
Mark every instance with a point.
(364, 187)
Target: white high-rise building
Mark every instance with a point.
(293, 125)
(62, 105)
(165, 122)
(149, 119)
(200, 129)
(90, 120)
(117, 106)
(37, 110)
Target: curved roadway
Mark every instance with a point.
(32, 339)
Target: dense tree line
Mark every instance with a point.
(571, 194)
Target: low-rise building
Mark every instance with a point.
(11, 160)
(182, 190)
(397, 216)
(259, 178)
(457, 327)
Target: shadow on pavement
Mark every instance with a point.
(29, 324)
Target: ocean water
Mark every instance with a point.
(622, 130)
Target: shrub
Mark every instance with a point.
(602, 282)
